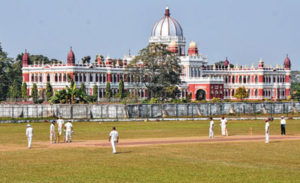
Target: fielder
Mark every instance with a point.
(52, 133)
(211, 128)
(224, 126)
(29, 135)
(282, 124)
(60, 124)
(113, 139)
(68, 128)
(267, 130)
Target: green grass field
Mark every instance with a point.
(278, 161)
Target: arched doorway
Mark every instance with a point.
(200, 95)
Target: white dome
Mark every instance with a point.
(167, 26)
(193, 44)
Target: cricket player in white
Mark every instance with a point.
(224, 126)
(114, 139)
(267, 129)
(211, 128)
(29, 135)
(282, 124)
(52, 133)
(69, 128)
(60, 124)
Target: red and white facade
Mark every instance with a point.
(201, 80)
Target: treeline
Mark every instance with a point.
(11, 86)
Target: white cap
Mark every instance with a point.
(28, 125)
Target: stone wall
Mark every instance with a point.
(95, 111)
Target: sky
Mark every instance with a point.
(244, 31)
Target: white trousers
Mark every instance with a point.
(59, 131)
(52, 137)
(68, 136)
(223, 130)
(113, 145)
(211, 133)
(29, 141)
(267, 137)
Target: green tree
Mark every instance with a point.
(95, 93)
(34, 93)
(49, 91)
(24, 90)
(42, 94)
(14, 90)
(71, 93)
(108, 90)
(59, 97)
(10, 71)
(121, 89)
(155, 68)
(86, 59)
(241, 93)
(82, 88)
(171, 92)
(295, 91)
(82, 95)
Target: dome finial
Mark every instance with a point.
(70, 47)
(167, 11)
(25, 50)
(226, 62)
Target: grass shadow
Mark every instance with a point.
(124, 152)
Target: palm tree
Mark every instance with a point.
(71, 93)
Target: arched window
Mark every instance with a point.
(76, 77)
(48, 78)
(233, 79)
(91, 77)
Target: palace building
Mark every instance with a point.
(201, 80)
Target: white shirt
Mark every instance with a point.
(60, 123)
(52, 128)
(29, 132)
(211, 124)
(68, 126)
(283, 122)
(267, 126)
(223, 122)
(113, 135)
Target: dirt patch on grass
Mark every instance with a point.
(146, 142)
